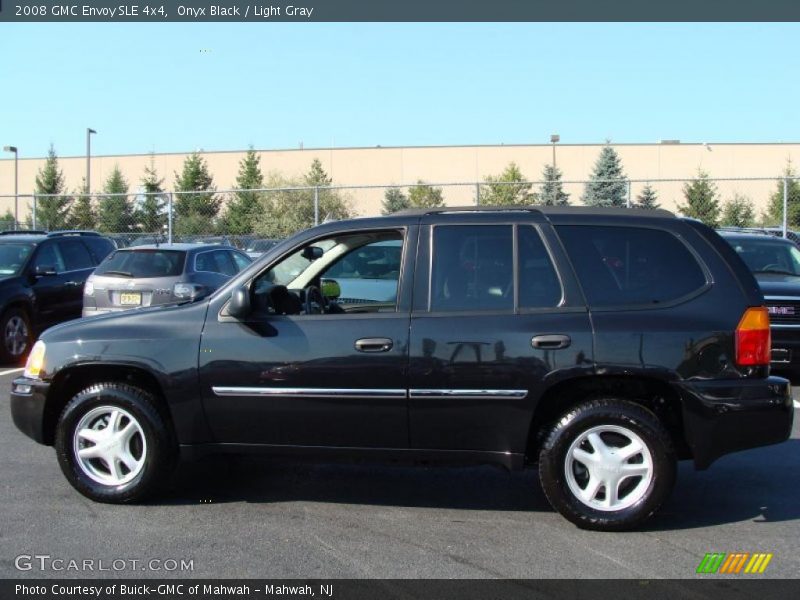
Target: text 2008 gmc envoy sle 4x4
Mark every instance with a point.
(602, 344)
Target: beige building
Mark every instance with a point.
(450, 164)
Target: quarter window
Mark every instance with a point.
(473, 268)
(630, 265)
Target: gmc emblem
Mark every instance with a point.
(787, 311)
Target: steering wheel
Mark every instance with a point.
(315, 302)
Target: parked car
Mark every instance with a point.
(256, 247)
(775, 262)
(161, 274)
(41, 282)
(602, 344)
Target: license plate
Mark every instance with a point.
(130, 298)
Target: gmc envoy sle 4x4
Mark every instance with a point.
(603, 345)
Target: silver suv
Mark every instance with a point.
(159, 274)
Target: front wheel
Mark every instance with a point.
(113, 444)
(607, 465)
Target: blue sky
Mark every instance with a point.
(179, 87)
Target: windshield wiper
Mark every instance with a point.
(777, 271)
(120, 273)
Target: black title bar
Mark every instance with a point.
(398, 10)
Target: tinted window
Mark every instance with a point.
(76, 255)
(49, 256)
(538, 283)
(241, 260)
(143, 263)
(99, 247)
(630, 265)
(217, 261)
(473, 268)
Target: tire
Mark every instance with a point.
(17, 337)
(127, 466)
(581, 460)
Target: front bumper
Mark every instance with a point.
(723, 416)
(785, 347)
(28, 401)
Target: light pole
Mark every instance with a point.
(89, 133)
(554, 139)
(16, 182)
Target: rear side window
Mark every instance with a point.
(143, 263)
(215, 261)
(100, 247)
(539, 286)
(76, 255)
(473, 268)
(630, 265)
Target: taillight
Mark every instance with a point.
(753, 338)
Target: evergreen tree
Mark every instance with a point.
(608, 185)
(739, 212)
(552, 191)
(774, 214)
(647, 198)
(242, 210)
(196, 211)
(701, 200)
(114, 211)
(316, 175)
(82, 213)
(423, 195)
(7, 221)
(507, 189)
(150, 214)
(52, 209)
(394, 200)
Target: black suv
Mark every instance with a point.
(602, 344)
(41, 282)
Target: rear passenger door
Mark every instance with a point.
(79, 265)
(493, 323)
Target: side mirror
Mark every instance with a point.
(312, 252)
(239, 305)
(43, 270)
(331, 288)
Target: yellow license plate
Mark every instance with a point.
(130, 298)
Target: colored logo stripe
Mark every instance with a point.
(721, 562)
(711, 562)
(758, 564)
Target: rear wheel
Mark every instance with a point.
(113, 444)
(17, 336)
(607, 465)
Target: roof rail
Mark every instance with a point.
(23, 232)
(72, 232)
(542, 209)
(455, 209)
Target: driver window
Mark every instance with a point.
(49, 256)
(350, 273)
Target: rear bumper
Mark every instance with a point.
(724, 416)
(28, 399)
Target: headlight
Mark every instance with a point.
(35, 364)
(88, 289)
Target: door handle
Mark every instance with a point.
(550, 342)
(72, 283)
(373, 345)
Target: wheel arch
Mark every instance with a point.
(653, 393)
(72, 380)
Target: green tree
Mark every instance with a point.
(394, 200)
(82, 212)
(286, 211)
(52, 206)
(196, 209)
(774, 214)
(739, 212)
(702, 201)
(552, 191)
(423, 195)
(150, 214)
(507, 189)
(114, 211)
(242, 210)
(647, 198)
(608, 185)
(7, 221)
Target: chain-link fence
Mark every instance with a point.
(240, 217)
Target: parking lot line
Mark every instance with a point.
(10, 371)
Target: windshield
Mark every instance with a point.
(768, 256)
(12, 258)
(143, 263)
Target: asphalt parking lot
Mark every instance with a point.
(258, 518)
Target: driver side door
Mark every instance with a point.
(337, 379)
